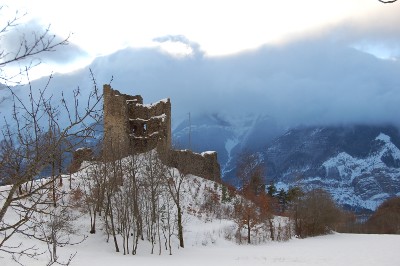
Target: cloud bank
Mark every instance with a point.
(327, 77)
(304, 83)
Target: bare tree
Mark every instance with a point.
(153, 175)
(175, 180)
(138, 201)
(246, 216)
(112, 170)
(32, 142)
(93, 186)
(27, 51)
(168, 221)
(55, 227)
(250, 173)
(135, 187)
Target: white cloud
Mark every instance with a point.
(177, 45)
(222, 27)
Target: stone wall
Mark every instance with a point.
(204, 165)
(78, 156)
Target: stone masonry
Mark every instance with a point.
(129, 125)
(133, 127)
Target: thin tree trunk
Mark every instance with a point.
(53, 172)
(54, 243)
(169, 237)
(70, 180)
(180, 227)
(112, 226)
(248, 230)
(60, 167)
(271, 229)
(159, 235)
(106, 221)
(93, 224)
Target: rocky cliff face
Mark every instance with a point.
(359, 166)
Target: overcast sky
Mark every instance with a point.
(220, 27)
(307, 61)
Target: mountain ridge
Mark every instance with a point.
(358, 164)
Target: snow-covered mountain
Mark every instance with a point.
(358, 165)
(365, 181)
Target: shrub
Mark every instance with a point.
(315, 213)
(386, 219)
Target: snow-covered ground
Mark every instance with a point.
(207, 242)
(335, 249)
(206, 245)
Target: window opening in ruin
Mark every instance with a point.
(144, 128)
(134, 129)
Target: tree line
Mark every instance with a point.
(384, 220)
(310, 213)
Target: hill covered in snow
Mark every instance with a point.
(136, 204)
(210, 233)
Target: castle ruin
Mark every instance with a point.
(131, 127)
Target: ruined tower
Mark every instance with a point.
(131, 127)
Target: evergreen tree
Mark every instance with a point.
(272, 190)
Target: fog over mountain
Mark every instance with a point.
(307, 82)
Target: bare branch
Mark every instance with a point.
(27, 50)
